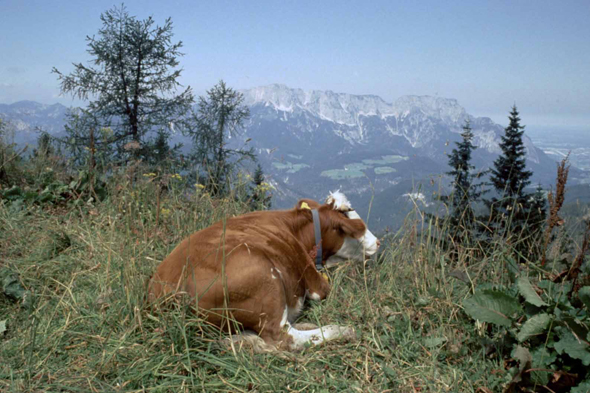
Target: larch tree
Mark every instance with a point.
(131, 82)
(219, 116)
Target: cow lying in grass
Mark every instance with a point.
(258, 268)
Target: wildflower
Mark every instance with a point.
(176, 176)
(107, 131)
(199, 186)
(165, 212)
(264, 186)
(133, 145)
(151, 174)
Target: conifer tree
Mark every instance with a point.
(161, 154)
(260, 195)
(510, 178)
(538, 209)
(44, 145)
(465, 191)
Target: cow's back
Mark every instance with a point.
(246, 248)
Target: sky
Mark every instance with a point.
(488, 55)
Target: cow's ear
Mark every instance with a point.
(306, 204)
(352, 228)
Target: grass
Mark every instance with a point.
(89, 329)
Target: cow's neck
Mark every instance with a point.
(305, 233)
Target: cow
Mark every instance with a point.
(257, 269)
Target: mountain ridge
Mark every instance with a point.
(312, 142)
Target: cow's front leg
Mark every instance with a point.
(317, 287)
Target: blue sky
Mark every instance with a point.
(488, 55)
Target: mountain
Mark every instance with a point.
(29, 116)
(381, 154)
(387, 157)
(418, 121)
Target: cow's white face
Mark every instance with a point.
(354, 249)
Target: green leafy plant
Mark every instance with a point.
(84, 187)
(547, 326)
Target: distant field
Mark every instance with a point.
(380, 170)
(386, 160)
(356, 169)
(338, 174)
(289, 167)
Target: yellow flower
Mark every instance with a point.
(176, 176)
(151, 174)
(107, 131)
(199, 186)
(165, 212)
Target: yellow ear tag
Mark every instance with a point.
(323, 274)
(304, 205)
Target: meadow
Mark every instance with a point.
(84, 325)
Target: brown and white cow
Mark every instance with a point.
(259, 268)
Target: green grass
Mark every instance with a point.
(89, 329)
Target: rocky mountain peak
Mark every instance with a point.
(446, 109)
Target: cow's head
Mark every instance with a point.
(344, 234)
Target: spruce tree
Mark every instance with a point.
(260, 195)
(538, 209)
(45, 146)
(515, 213)
(161, 155)
(510, 178)
(465, 191)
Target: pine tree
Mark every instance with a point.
(465, 192)
(219, 116)
(510, 178)
(132, 80)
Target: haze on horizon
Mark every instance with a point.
(487, 55)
